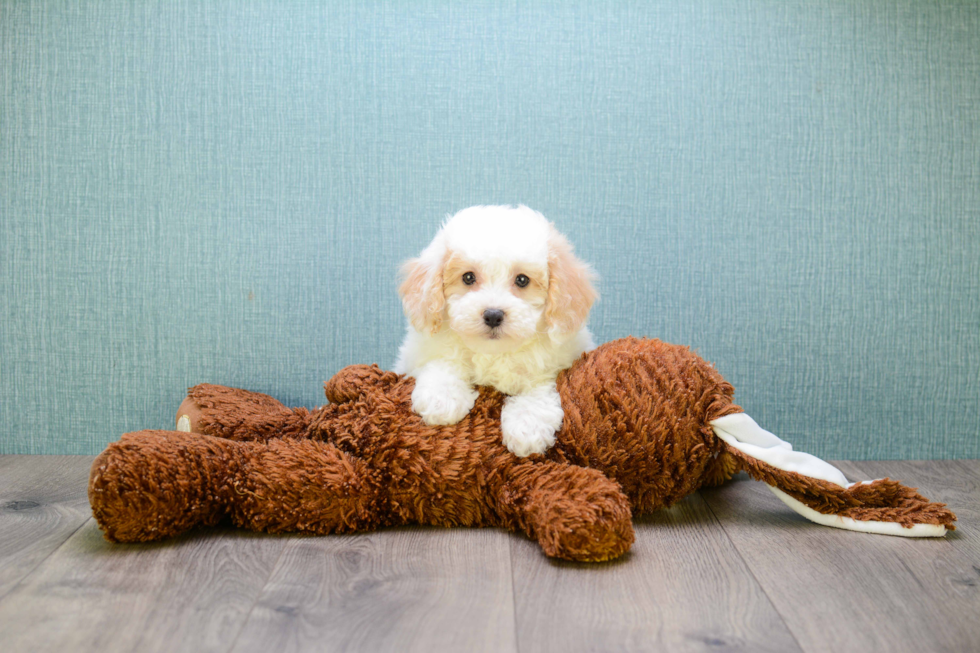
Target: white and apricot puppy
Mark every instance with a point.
(498, 299)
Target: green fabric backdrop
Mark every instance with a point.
(222, 191)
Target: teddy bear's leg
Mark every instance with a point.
(309, 486)
(573, 512)
(237, 414)
(156, 484)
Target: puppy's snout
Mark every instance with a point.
(493, 317)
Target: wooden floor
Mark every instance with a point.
(729, 569)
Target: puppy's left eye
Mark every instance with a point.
(521, 281)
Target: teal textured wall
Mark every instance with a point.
(221, 191)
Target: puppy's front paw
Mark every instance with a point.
(529, 422)
(442, 399)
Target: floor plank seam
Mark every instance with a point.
(258, 597)
(513, 594)
(41, 562)
(748, 568)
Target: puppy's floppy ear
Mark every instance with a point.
(421, 289)
(570, 290)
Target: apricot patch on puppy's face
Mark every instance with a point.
(452, 276)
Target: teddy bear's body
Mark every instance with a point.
(636, 437)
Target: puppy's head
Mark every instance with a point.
(497, 276)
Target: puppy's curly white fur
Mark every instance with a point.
(498, 298)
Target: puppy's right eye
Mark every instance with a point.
(469, 278)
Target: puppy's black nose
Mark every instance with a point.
(493, 317)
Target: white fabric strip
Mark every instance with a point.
(880, 527)
(741, 432)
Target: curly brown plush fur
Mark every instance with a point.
(636, 438)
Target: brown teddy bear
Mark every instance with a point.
(646, 423)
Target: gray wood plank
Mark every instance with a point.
(682, 587)
(407, 589)
(191, 593)
(955, 482)
(43, 501)
(844, 591)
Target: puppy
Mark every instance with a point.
(498, 299)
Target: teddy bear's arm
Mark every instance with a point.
(573, 512)
(357, 381)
